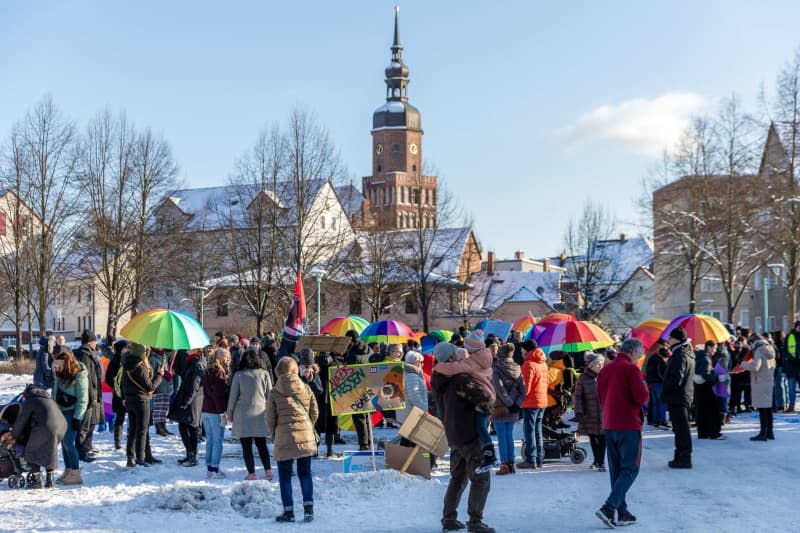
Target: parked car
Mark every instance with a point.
(5, 359)
(12, 351)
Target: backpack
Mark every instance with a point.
(118, 382)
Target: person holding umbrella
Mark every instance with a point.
(187, 408)
(677, 391)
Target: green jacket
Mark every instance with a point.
(78, 388)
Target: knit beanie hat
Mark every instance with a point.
(306, 357)
(137, 350)
(87, 336)
(679, 334)
(443, 351)
(597, 364)
(475, 341)
(413, 357)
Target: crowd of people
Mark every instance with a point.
(475, 383)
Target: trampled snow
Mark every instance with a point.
(736, 485)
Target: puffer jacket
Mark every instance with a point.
(534, 377)
(762, 373)
(291, 413)
(587, 405)
(416, 394)
(509, 388)
(78, 388)
(478, 365)
(678, 386)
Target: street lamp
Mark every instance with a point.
(773, 268)
(318, 273)
(203, 289)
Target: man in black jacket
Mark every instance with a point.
(458, 416)
(359, 353)
(95, 413)
(678, 392)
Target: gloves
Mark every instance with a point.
(514, 409)
(698, 379)
(76, 424)
(223, 420)
(723, 378)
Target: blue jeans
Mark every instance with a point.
(791, 383)
(532, 429)
(306, 482)
(214, 435)
(68, 448)
(482, 427)
(659, 409)
(505, 440)
(624, 450)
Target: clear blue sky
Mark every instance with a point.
(528, 107)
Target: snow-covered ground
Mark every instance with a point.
(736, 485)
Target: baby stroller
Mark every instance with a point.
(558, 444)
(11, 462)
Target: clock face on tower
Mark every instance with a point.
(413, 148)
(379, 148)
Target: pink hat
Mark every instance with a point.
(475, 341)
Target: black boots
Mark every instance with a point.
(189, 460)
(308, 513)
(117, 437)
(161, 429)
(287, 516)
(764, 415)
(48, 482)
(35, 480)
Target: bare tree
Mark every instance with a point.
(370, 267)
(591, 272)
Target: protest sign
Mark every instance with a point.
(500, 329)
(366, 388)
(323, 343)
(426, 431)
(355, 462)
(397, 458)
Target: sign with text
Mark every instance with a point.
(500, 329)
(366, 388)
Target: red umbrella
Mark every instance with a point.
(545, 322)
(648, 332)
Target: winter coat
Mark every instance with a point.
(94, 372)
(678, 386)
(587, 405)
(416, 394)
(138, 380)
(534, 376)
(188, 404)
(478, 365)
(43, 375)
(456, 412)
(622, 393)
(357, 354)
(655, 369)
(158, 361)
(44, 424)
(791, 355)
(508, 387)
(291, 414)
(215, 387)
(247, 402)
(762, 374)
(78, 388)
(704, 369)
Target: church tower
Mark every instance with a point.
(398, 195)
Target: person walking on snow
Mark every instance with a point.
(677, 392)
(622, 393)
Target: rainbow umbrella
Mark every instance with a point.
(573, 336)
(545, 322)
(699, 328)
(164, 328)
(436, 336)
(340, 325)
(388, 331)
(524, 324)
(648, 331)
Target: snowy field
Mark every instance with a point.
(736, 485)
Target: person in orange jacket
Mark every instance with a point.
(534, 376)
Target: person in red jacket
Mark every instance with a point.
(622, 393)
(534, 376)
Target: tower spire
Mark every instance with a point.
(396, 44)
(397, 71)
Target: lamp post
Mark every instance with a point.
(773, 268)
(318, 273)
(203, 289)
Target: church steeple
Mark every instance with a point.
(397, 71)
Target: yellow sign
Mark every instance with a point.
(366, 388)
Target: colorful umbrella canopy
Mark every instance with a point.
(648, 331)
(340, 325)
(164, 328)
(430, 340)
(699, 328)
(524, 324)
(573, 336)
(545, 322)
(388, 331)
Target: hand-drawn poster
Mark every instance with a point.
(366, 388)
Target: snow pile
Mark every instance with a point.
(256, 500)
(191, 498)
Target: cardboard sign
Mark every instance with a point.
(397, 455)
(425, 430)
(366, 388)
(500, 328)
(323, 343)
(355, 462)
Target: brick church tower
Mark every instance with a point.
(397, 195)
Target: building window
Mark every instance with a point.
(411, 305)
(78, 326)
(222, 307)
(628, 307)
(354, 303)
(322, 222)
(89, 294)
(414, 196)
(379, 168)
(395, 148)
(79, 295)
(710, 285)
(744, 318)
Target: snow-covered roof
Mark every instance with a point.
(350, 197)
(621, 257)
(392, 107)
(490, 291)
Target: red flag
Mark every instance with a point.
(295, 326)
